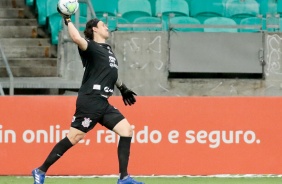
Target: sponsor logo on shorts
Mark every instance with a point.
(86, 122)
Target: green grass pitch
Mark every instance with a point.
(147, 180)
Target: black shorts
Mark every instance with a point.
(93, 109)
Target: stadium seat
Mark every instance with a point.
(205, 9)
(40, 9)
(220, 21)
(101, 7)
(267, 7)
(29, 2)
(132, 9)
(55, 25)
(189, 2)
(83, 9)
(54, 20)
(279, 7)
(176, 7)
(253, 21)
(153, 6)
(156, 22)
(185, 21)
(238, 9)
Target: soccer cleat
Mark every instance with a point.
(38, 176)
(128, 180)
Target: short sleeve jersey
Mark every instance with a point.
(100, 69)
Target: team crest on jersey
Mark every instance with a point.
(86, 122)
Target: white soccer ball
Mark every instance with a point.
(68, 7)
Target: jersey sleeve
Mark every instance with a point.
(91, 49)
(83, 53)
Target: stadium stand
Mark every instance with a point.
(206, 9)
(132, 9)
(124, 12)
(221, 22)
(238, 9)
(180, 24)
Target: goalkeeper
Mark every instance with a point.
(92, 106)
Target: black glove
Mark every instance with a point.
(127, 95)
(65, 17)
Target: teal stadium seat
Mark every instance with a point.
(279, 7)
(83, 9)
(185, 21)
(105, 6)
(189, 2)
(54, 20)
(153, 6)
(205, 9)
(132, 9)
(267, 7)
(240, 9)
(40, 9)
(220, 21)
(29, 2)
(156, 23)
(175, 7)
(253, 21)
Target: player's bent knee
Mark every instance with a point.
(75, 135)
(75, 138)
(123, 129)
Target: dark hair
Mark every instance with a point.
(88, 32)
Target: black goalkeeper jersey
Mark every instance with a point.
(101, 69)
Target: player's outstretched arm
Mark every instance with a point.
(73, 32)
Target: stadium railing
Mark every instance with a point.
(8, 69)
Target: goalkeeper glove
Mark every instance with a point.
(127, 95)
(67, 18)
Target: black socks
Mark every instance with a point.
(123, 155)
(59, 149)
